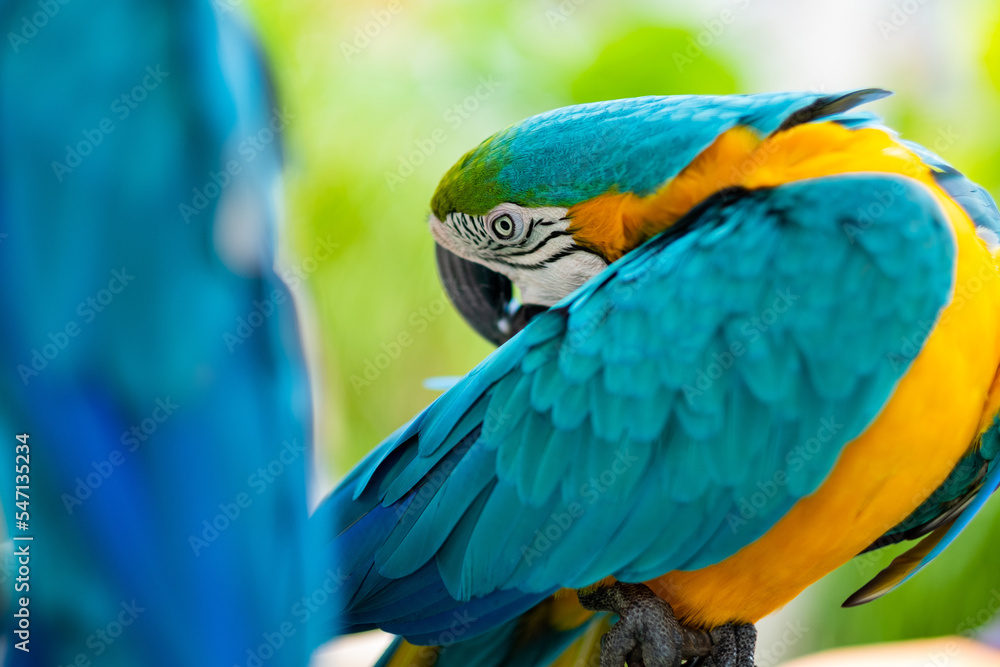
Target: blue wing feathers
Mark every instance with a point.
(450, 557)
(608, 413)
(570, 409)
(548, 384)
(554, 459)
(426, 529)
(652, 509)
(649, 416)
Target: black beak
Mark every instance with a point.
(484, 297)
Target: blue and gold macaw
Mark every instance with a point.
(760, 335)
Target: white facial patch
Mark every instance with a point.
(531, 246)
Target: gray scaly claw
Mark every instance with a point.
(647, 633)
(733, 645)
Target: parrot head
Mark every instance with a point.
(509, 212)
(496, 228)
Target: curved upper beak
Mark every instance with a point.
(483, 297)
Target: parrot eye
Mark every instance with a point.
(503, 227)
(505, 224)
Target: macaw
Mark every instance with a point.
(165, 443)
(759, 336)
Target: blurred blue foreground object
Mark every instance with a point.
(150, 354)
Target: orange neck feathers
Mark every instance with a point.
(615, 223)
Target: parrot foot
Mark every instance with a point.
(647, 633)
(733, 645)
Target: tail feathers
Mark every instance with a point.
(586, 650)
(909, 563)
(556, 632)
(402, 653)
(901, 568)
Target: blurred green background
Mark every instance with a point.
(384, 96)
